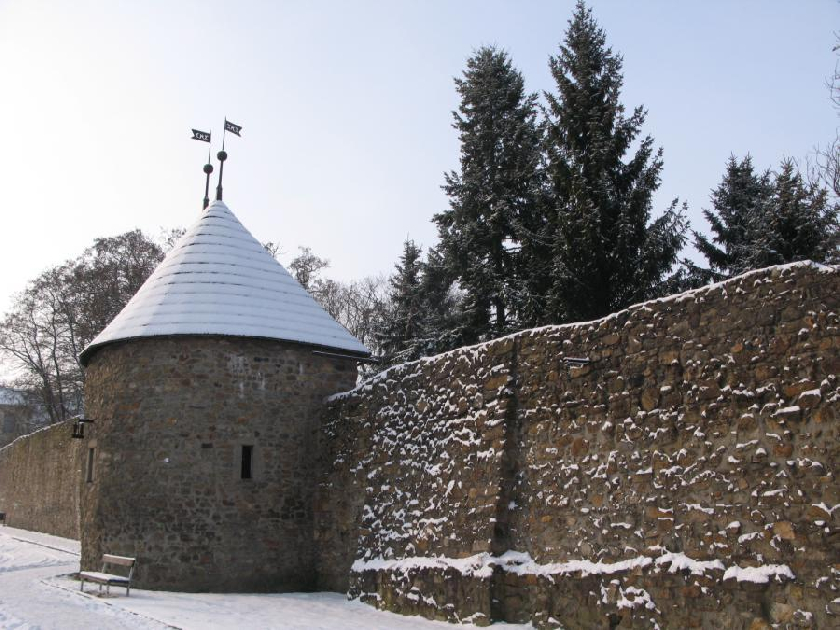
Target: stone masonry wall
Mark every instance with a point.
(684, 477)
(402, 450)
(171, 418)
(39, 481)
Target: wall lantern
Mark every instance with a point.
(79, 423)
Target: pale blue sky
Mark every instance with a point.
(346, 109)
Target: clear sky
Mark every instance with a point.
(346, 109)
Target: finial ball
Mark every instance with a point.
(208, 168)
(222, 156)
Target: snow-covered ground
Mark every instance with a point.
(36, 591)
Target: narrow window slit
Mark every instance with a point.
(90, 460)
(247, 458)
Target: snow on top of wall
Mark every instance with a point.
(681, 562)
(693, 294)
(760, 574)
(26, 436)
(219, 280)
(481, 565)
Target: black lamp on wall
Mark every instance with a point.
(79, 423)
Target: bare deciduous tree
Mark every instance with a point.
(306, 267)
(824, 164)
(37, 335)
(62, 310)
(357, 305)
(273, 248)
(169, 237)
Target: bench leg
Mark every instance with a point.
(83, 585)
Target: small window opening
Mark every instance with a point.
(90, 460)
(247, 459)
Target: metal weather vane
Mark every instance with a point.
(204, 136)
(235, 129)
(222, 155)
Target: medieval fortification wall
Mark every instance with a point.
(685, 476)
(39, 481)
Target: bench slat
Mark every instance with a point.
(123, 560)
(103, 578)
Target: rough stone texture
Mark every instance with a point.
(492, 482)
(39, 481)
(402, 449)
(172, 415)
(702, 437)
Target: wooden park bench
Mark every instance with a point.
(110, 579)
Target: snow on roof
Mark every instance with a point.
(219, 280)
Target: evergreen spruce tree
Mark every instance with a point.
(606, 253)
(423, 314)
(445, 326)
(801, 223)
(738, 203)
(759, 221)
(403, 327)
(493, 196)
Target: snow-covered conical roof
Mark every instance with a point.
(219, 280)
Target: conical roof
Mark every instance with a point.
(219, 280)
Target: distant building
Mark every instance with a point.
(17, 415)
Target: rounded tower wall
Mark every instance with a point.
(174, 418)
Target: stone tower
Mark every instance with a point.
(204, 395)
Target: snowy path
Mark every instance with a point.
(26, 601)
(36, 592)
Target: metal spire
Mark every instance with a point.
(208, 168)
(204, 136)
(222, 157)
